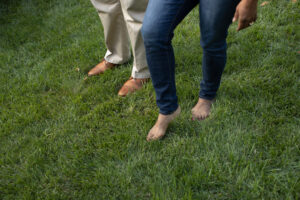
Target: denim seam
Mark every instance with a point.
(169, 32)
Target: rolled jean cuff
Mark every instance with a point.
(207, 97)
(169, 111)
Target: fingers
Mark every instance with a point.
(244, 17)
(236, 16)
(243, 24)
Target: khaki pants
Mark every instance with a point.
(122, 23)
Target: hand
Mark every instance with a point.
(245, 13)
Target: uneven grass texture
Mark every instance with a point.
(63, 137)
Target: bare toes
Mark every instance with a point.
(149, 136)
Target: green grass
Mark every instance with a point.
(63, 137)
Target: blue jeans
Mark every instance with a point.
(161, 18)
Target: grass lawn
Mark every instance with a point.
(63, 136)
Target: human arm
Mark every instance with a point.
(245, 13)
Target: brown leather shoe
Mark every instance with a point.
(101, 68)
(132, 85)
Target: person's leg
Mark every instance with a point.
(161, 18)
(115, 30)
(215, 18)
(133, 11)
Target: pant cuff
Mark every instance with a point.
(207, 97)
(140, 75)
(116, 61)
(164, 112)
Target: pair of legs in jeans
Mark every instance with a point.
(161, 18)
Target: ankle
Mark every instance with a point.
(163, 120)
(201, 100)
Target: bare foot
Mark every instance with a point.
(202, 109)
(161, 125)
